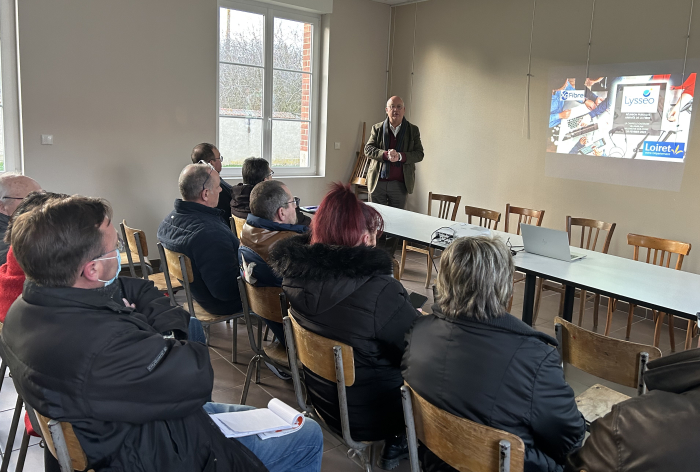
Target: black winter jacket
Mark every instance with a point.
(133, 397)
(348, 294)
(500, 373)
(225, 202)
(657, 431)
(198, 232)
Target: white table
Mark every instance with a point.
(667, 290)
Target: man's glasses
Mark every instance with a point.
(395, 107)
(211, 167)
(296, 202)
(221, 158)
(272, 172)
(120, 248)
(11, 198)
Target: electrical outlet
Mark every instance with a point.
(337, 145)
(47, 139)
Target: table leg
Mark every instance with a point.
(529, 298)
(569, 296)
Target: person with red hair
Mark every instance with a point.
(340, 286)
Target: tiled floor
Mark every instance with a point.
(229, 377)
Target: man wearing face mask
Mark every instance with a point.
(96, 356)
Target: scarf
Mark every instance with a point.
(384, 172)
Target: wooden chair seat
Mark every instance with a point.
(598, 401)
(208, 318)
(160, 283)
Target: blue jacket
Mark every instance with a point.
(257, 238)
(199, 232)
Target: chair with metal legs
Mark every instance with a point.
(266, 303)
(180, 267)
(333, 361)
(461, 443)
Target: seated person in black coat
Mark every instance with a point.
(209, 154)
(195, 229)
(341, 286)
(254, 171)
(474, 360)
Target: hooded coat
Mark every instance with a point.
(348, 294)
(653, 432)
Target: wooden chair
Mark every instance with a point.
(333, 361)
(178, 265)
(237, 225)
(617, 361)
(461, 443)
(588, 227)
(486, 217)
(136, 239)
(358, 178)
(62, 442)
(448, 204)
(663, 250)
(266, 303)
(525, 215)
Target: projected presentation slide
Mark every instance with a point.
(643, 117)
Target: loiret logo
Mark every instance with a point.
(664, 149)
(640, 99)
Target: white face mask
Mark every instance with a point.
(119, 267)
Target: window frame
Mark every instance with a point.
(11, 89)
(269, 13)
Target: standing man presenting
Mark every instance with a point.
(394, 147)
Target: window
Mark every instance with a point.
(267, 88)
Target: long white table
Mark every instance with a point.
(667, 290)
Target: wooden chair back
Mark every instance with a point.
(525, 215)
(611, 359)
(359, 172)
(130, 239)
(316, 354)
(175, 269)
(264, 301)
(461, 443)
(237, 225)
(448, 204)
(486, 217)
(75, 450)
(591, 225)
(663, 249)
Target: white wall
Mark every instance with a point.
(128, 87)
(469, 95)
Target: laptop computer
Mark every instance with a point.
(548, 242)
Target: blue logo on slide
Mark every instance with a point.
(647, 93)
(664, 149)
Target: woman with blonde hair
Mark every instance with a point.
(474, 360)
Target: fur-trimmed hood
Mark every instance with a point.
(319, 276)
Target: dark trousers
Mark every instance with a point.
(392, 193)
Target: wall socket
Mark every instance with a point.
(47, 139)
(337, 145)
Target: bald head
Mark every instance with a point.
(13, 189)
(200, 183)
(395, 110)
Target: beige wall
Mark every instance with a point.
(128, 87)
(469, 96)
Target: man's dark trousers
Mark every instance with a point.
(392, 193)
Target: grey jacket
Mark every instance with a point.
(657, 431)
(412, 151)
